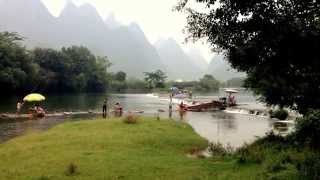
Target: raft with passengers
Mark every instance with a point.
(36, 111)
(221, 104)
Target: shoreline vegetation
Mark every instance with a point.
(146, 148)
(76, 69)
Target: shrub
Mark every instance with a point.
(281, 114)
(250, 154)
(277, 162)
(71, 169)
(309, 167)
(308, 129)
(131, 119)
(219, 149)
(43, 178)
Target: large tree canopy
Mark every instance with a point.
(17, 71)
(276, 42)
(155, 79)
(73, 69)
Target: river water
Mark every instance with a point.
(228, 127)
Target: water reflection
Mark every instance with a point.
(233, 129)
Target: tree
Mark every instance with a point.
(55, 68)
(120, 76)
(235, 82)
(18, 73)
(73, 69)
(276, 42)
(208, 83)
(155, 79)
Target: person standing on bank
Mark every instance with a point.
(105, 109)
(170, 107)
(19, 107)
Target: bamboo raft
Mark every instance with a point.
(12, 116)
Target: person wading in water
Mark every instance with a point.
(182, 110)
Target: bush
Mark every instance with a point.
(281, 114)
(219, 149)
(250, 154)
(257, 151)
(131, 119)
(309, 167)
(71, 169)
(308, 130)
(43, 178)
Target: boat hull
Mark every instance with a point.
(206, 106)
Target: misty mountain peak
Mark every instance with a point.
(112, 22)
(85, 10)
(88, 9)
(221, 69)
(73, 15)
(198, 59)
(137, 30)
(69, 8)
(170, 44)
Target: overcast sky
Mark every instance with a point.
(155, 17)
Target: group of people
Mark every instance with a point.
(182, 108)
(36, 111)
(117, 109)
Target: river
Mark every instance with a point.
(227, 127)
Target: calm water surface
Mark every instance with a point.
(223, 126)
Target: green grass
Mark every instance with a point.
(111, 149)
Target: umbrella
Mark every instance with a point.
(231, 91)
(34, 97)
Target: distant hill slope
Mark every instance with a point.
(126, 46)
(222, 70)
(197, 58)
(180, 65)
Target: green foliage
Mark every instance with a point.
(217, 149)
(207, 83)
(281, 158)
(73, 69)
(17, 71)
(119, 83)
(307, 130)
(281, 114)
(309, 166)
(155, 79)
(120, 76)
(137, 85)
(275, 42)
(235, 82)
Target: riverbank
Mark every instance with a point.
(111, 149)
(149, 149)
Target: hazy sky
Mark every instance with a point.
(154, 16)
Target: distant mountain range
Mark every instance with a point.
(180, 65)
(222, 70)
(126, 46)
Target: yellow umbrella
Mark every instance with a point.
(34, 97)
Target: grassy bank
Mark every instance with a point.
(111, 149)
